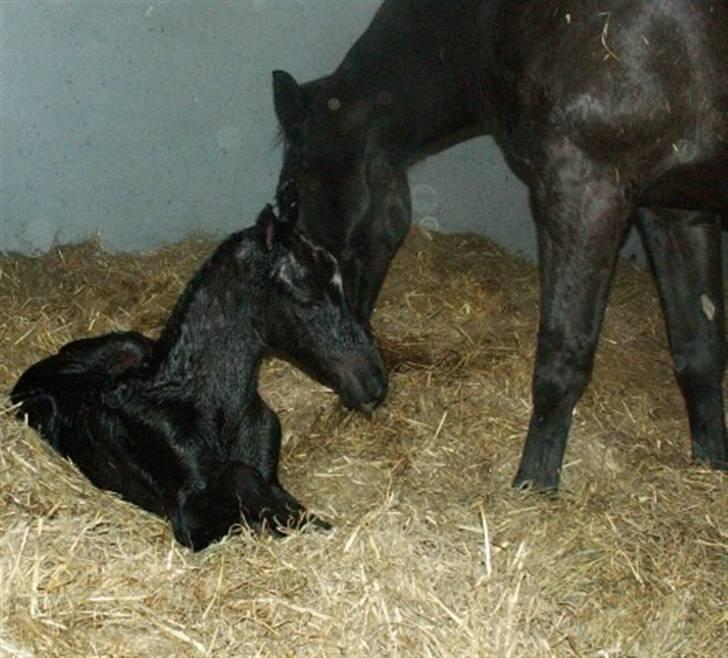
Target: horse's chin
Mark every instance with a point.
(364, 396)
(360, 388)
(366, 407)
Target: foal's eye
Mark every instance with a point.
(303, 297)
(292, 284)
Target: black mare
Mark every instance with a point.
(176, 425)
(613, 112)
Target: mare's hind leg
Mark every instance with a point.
(685, 251)
(581, 217)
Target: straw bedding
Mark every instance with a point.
(432, 553)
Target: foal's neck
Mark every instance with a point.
(211, 335)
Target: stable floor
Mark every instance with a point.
(432, 553)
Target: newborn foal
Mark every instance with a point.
(176, 425)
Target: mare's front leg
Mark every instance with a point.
(685, 251)
(581, 216)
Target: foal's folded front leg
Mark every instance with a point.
(234, 494)
(297, 516)
(258, 445)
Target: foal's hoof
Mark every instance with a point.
(303, 521)
(316, 523)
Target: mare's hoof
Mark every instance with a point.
(546, 486)
(711, 452)
(715, 464)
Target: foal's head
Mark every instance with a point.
(307, 317)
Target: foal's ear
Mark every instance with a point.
(289, 101)
(267, 224)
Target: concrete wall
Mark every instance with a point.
(149, 120)
(146, 121)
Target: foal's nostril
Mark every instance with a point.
(362, 380)
(377, 387)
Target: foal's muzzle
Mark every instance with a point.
(363, 384)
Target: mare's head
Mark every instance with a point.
(354, 194)
(307, 318)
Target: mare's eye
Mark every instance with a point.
(313, 185)
(305, 164)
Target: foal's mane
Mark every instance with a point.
(171, 331)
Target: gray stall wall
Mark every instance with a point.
(149, 121)
(146, 121)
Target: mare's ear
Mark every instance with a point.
(380, 171)
(289, 101)
(287, 201)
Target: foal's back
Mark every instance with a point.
(63, 398)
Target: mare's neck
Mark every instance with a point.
(416, 73)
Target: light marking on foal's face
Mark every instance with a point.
(338, 281)
(708, 307)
